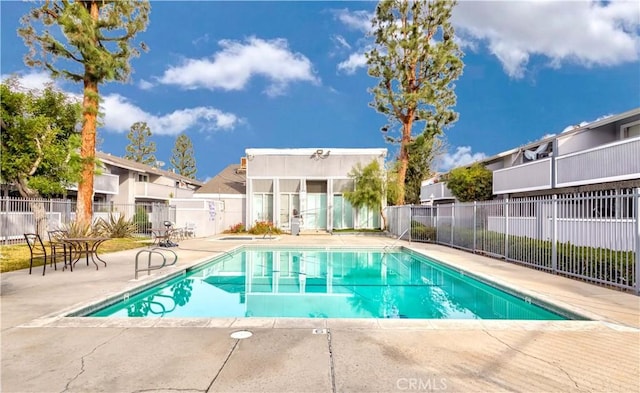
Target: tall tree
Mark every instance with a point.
(422, 153)
(140, 149)
(473, 183)
(39, 143)
(93, 39)
(416, 60)
(183, 159)
(369, 188)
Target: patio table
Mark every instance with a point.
(162, 236)
(88, 246)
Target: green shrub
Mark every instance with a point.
(77, 229)
(141, 220)
(264, 227)
(116, 228)
(419, 231)
(597, 263)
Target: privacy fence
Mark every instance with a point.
(591, 236)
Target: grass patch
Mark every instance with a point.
(16, 257)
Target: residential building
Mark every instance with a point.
(309, 183)
(601, 155)
(122, 181)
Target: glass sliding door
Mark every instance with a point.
(342, 213)
(263, 207)
(288, 203)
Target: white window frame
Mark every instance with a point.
(625, 127)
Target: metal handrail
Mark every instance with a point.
(389, 246)
(155, 250)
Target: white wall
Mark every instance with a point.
(206, 214)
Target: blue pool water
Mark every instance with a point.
(254, 282)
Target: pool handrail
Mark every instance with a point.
(154, 250)
(389, 246)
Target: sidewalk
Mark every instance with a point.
(43, 352)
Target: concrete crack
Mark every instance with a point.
(222, 367)
(331, 365)
(537, 358)
(66, 388)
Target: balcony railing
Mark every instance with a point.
(435, 192)
(160, 191)
(612, 162)
(535, 175)
(103, 184)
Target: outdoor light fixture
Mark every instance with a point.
(320, 154)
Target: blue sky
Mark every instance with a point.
(237, 75)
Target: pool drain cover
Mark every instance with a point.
(241, 334)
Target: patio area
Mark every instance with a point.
(43, 352)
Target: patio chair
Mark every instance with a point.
(58, 246)
(37, 250)
(190, 230)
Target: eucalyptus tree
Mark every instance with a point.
(183, 159)
(140, 149)
(416, 61)
(40, 141)
(93, 41)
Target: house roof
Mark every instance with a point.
(136, 166)
(231, 180)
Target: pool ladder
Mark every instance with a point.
(161, 251)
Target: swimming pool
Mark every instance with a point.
(326, 283)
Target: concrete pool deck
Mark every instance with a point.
(41, 351)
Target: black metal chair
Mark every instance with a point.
(58, 246)
(37, 249)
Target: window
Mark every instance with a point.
(342, 212)
(143, 178)
(263, 207)
(631, 130)
(288, 203)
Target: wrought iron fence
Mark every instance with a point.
(19, 215)
(592, 236)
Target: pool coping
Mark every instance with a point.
(71, 316)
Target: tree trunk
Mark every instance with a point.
(88, 151)
(84, 208)
(404, 158)
(37, 207)
(384, 219)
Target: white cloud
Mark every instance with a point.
(35, 80)
(462, 156)
(588, 33)
(355, 61)
(145, 84)
(341, 41)
(357, 20)
(238, 62)
(202, 39)
(120, 114)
